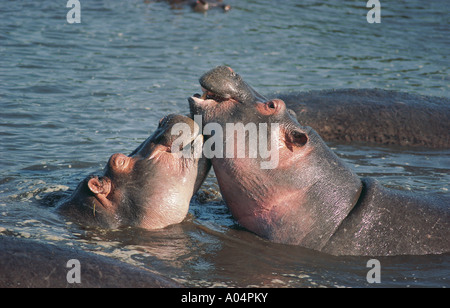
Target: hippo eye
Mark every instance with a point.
(162, 121)
(271, 105)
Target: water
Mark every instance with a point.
(73, 94)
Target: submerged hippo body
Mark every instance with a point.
(311, 198)
(151, 188)
(374, 116)
(25, 263)
(392, 222)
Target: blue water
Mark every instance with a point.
(73, 94)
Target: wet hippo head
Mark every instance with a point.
(222, 85)
(201, 6)
(151, 188)
(300, 192)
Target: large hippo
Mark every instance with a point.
(151, 188)
(310, 197)
(365, 115)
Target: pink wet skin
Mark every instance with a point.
(300, 201)
(256, 197)
(151, 188)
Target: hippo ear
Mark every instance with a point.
(295, 138)
(99, 186)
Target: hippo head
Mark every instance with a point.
(222, 85)
(303, 196)
(151, 188)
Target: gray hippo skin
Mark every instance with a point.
(374, 116)
(392, 222)
(26, 263)
(311, 197)
(151, 188)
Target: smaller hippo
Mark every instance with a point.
(311, 197)
(199, 6)
(151, 188)
(203, 6)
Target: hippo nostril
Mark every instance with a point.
(118, 161)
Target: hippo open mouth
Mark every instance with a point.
(174, 135)
(188, 134)
(210, 103)
(209, 98)
(210, 95)
(183, 148)
(223, 86)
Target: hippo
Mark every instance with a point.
(310, 197)
(375, 116)
(203, 6)
(26, 263)
(151, 188)
(199, 6)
